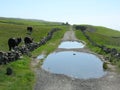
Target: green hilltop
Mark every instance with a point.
(26, 21)
(102, 35)
(105, 36)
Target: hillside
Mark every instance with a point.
(106, 36)
(107, 31)
(103, 36)
(13, 27)
(19, 21)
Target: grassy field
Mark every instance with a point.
(23, 77)
(102, 36)
(105, 36)
(26, 21)
(18, 29)
(107, 31)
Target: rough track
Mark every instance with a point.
(70, 36)
(48, 81)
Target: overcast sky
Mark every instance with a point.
(94, 12)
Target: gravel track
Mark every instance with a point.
(49, 81)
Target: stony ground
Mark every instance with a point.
(49, 81)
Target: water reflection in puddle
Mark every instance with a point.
(40, 57)
(74, 64)
(71, 44)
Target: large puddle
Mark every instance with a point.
(74, 64)
(71, 45)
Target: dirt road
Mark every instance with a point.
(48, 81)
(69, 36)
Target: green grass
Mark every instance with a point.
(105, 36)
(105, 66)
(107, 31)
(23, 77)
(8, 30)
(26, 21)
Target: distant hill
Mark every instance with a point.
(20, 21)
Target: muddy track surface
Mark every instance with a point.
(49, 81)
